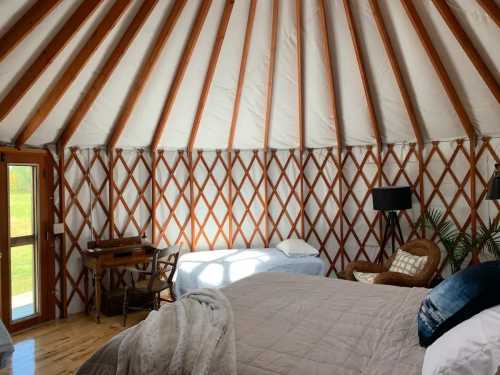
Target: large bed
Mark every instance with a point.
(299, 324)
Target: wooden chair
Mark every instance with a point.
(416, 247)
(151, 283)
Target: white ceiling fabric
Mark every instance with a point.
(434, 110)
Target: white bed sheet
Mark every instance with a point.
(218, 268)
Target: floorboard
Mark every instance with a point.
(60, 347)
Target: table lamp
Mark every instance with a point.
(389, 200)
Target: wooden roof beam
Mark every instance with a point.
(362, 70)
(180, 71)
(144, 73)
(241, 76)
(403, 89)
(300, 83)
(270, 76)
(49, 53)
(492, 9)
(214, 57)
(468, 47)
(439, 68)
(105, 72)
(71, 72)
(27, 22)
(327, 53)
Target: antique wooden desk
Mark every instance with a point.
(108, 254)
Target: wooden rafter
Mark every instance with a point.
(241, 77)
(105, 72)
(327, 54)
(300, 83)
(267, 116)
(492, 9)
(270, 77)
(362, 70)
(49, 53)
(71, 72)
(468, 47)
(300, 105)
(144, 73)
(439, 68)
(405, 93)
(236, 109)
(212, 64)
(28, 21)
(180, 71)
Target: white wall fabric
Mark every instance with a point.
(434, 110)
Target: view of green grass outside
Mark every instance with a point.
(21, 224)
(21, 268)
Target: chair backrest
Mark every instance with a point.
(168, 257)
(421, 248)
(172, 256)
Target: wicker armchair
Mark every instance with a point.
(416, 247)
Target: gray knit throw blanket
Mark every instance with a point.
(194, 336)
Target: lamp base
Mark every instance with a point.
(392, 231)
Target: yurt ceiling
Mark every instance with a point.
(247, 74)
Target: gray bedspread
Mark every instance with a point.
(298, 324)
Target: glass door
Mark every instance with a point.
(23, 239)
(26, 244)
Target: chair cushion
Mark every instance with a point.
(365, 277)
(457, 299)
(407, 263)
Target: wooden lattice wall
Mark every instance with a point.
(255, 198)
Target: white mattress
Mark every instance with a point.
(218, 268)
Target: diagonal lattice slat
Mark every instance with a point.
(172, 199)
(322, 205)
(447, 183)
(248, 199)
(283, 168)
(132, 193)
(85, 184)
(400, 167)
(487, 157)
(362, 235)
(210, 200)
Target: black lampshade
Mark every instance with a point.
(494, 185)
(392, 198)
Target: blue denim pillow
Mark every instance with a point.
(458, 298)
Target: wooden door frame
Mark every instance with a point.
(46, 264)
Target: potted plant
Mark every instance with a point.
(458, 244)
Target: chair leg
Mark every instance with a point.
(157, 301)
(125, 306)
(172, 294)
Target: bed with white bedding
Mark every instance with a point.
(297, 324)
(216, 269)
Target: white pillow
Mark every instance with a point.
(470, 348)
(294, 247)
(365, 277)
(407, 263)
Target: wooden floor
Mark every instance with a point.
(60, 347)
